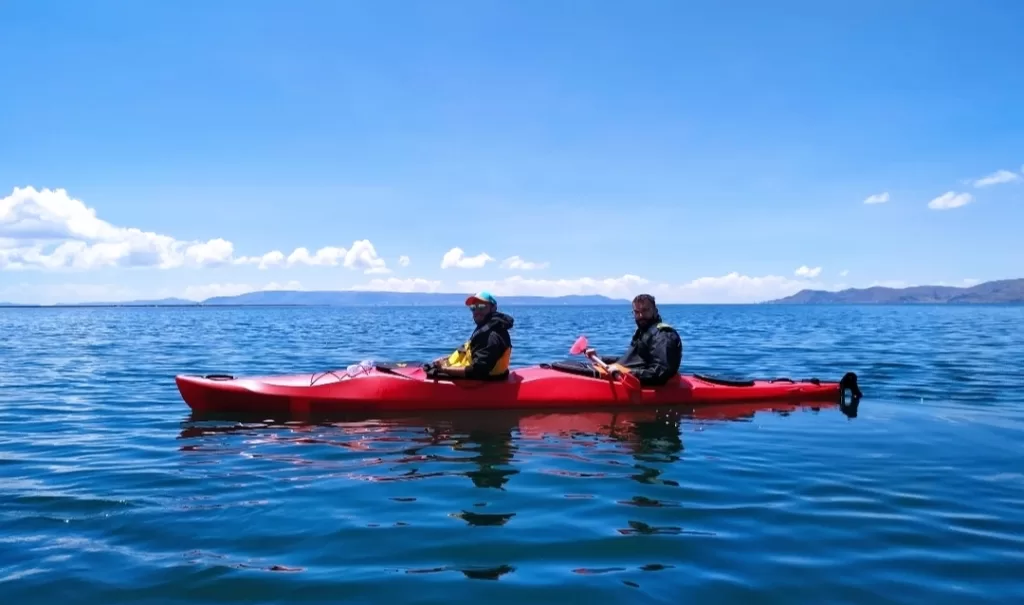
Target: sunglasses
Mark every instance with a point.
(479, 306)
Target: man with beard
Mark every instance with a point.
(654, 353)
(487, 353)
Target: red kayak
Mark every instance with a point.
(561, 385)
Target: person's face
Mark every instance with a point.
(480, 311)
(643, 312)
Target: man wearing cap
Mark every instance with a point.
(487, 353)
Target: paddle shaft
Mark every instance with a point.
(625, 378)
(593, 357)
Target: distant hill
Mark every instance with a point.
(1007, 291)
(368, 298)
(345, 298)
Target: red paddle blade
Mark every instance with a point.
(579, 346)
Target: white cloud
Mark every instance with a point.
(268, 260)
(805, 271)
(950, 200)
(997, 178)
(48, 229)
(844, 273)
(394, 284)
(328, 256)
(456, 257)
(403, 260)
(518, 264)
(362, 255)
(878, 198)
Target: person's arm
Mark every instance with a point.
(666, 355)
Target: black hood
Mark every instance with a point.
(498, 319)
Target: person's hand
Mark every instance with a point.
(590, 352)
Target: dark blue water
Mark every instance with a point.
(111, 493)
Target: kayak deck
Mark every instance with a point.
(535, 387)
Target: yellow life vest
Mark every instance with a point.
(463, 357)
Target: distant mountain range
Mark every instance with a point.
(1007, 291)
(346, 298)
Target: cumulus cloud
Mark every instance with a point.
(806, 271)
(997, 178)
(518, 264)
(878, 198)
(950, 200)
(844, 273)
(394, 284)
(403, 260)
(48, 229)
(456, 257)
(362, 255)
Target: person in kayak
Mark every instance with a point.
(487, 353)
(655, 351)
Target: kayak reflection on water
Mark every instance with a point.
(496, 436)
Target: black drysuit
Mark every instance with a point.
(654, 354)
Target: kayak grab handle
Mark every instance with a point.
(219, 377)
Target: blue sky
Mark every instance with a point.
(705, 153)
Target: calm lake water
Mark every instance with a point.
(111, 493)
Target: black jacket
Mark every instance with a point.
(654, 354)
(488, 343)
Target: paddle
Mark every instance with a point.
(627, 379)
